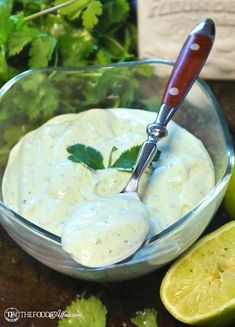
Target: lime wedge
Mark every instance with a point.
(199, 288)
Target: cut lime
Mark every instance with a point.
(199, 288)
(229, 199)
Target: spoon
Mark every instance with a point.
(111, 229)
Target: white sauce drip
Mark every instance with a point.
(107, 230)
(42, 185)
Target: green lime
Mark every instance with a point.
(229, 199)
(199, 288)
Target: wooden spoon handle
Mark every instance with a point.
(189, 63)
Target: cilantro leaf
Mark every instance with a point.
(3, 63)
(86, 155)
(85, 313)
(157, 156)
(74, 10)
(36, 99)
(114, 47)
(6, 24)
(120, 9)
(117, 84)
(103, 57)
(33, 6)
(75, 47)
(144, 70)
(146, 318)
(89, 16)
(41, 51)
(130, 39)
(19, 38)
(127, 159)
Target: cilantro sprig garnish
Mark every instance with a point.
(127, 159)
(92, 158)
(87, 155)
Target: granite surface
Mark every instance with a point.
(27, 285)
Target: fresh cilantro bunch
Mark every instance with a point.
(63, 33)
(38, 33)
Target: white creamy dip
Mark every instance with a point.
(42, 185)
(106, 230)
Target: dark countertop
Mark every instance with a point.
(225, 94)
(27, 285)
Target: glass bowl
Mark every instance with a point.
(34, 96)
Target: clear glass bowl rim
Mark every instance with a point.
(200, 206)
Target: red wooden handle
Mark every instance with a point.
(189, 63)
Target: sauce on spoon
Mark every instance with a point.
(107, 230)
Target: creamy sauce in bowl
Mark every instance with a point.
(42, 185)
(106, 230)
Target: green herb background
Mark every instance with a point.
(40, 33)
(81, 33)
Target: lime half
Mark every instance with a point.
(199, 288)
